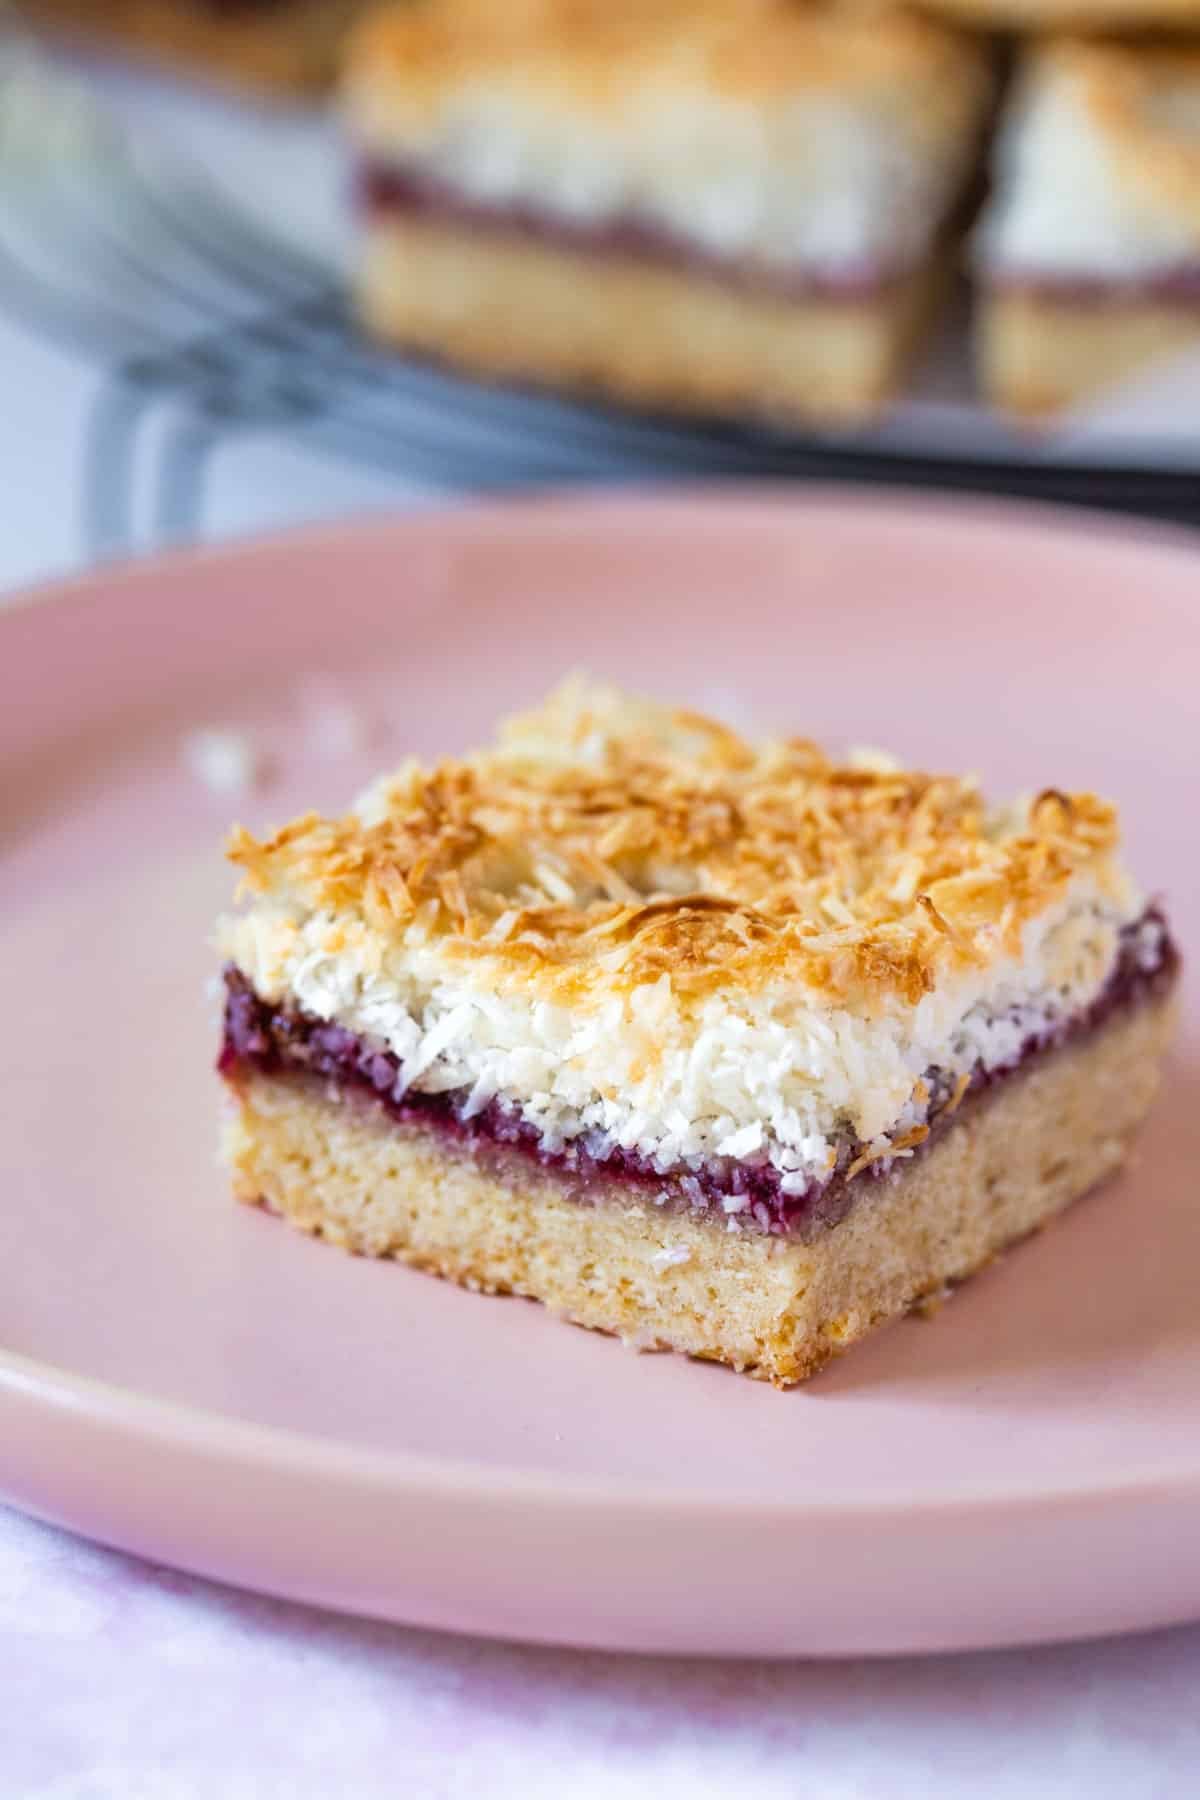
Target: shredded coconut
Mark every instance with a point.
(1077, 189)
(225, 761)
(672, 1256)
(333, 726)
(774, 1073)
(805, 941)
(772, 132)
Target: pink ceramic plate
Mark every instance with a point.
(187, 1378)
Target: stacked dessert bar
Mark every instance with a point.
(724, 1047)
(747, 208)
(729, 206)
(750, 207)
(1088, 257)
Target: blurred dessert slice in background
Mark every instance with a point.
(1088, 256)
(271, 46)
(1035, 16)
(739, 207)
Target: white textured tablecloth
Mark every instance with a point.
(118, 1678)
(121, 1679)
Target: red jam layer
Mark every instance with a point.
(1179, 286)
(282, 1040)
(387, 189)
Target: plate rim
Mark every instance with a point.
(896, 502)
(152, 1419)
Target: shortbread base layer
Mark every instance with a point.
(776, 1308)
(282, 49)
(1040, 354)
(510, 307)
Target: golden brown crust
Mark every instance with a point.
(1068, 15)
(588, 52)
(1039, 354)
(1143, 100)
(285, 49)
(775, 1308)
(608, 840)
(645, 334)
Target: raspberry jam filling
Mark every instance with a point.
(282, 1041)
(390, 189)
(1176, 286)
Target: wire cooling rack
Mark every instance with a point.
(210, 324)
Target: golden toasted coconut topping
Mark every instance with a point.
(604, 842)
(1145, 100)
(588, 52)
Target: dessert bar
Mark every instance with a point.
(713, 206)
(723, 1047)
(1088, 257)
